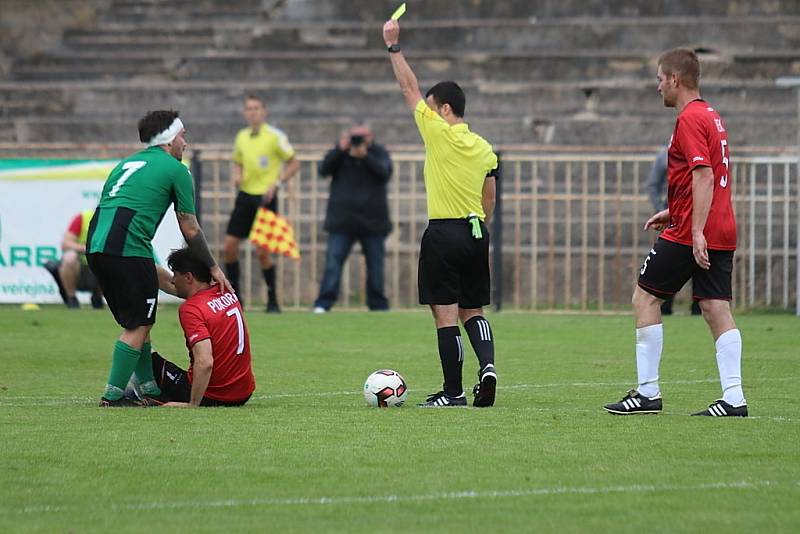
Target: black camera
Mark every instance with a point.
(356, 140)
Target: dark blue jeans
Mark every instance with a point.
(339, 246)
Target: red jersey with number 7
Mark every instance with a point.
(699, 140)
(219, 317)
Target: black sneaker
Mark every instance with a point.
(441, 400)
(73, 304)
(122, 402)
(52, 268)
(484, 390)
(634, 403)
(97, 301)
(720, 408)
(273, 307)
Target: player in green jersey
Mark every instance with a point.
(135, 198)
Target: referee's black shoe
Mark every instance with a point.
(720, 408)
(484, 390)
(442, 400)
(634, 403)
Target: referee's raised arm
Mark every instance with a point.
(402, 71)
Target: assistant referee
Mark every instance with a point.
(263, 161)
(454, 253)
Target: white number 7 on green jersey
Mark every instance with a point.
(130, 168)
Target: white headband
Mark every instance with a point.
(167, 135)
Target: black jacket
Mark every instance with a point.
(357, 204)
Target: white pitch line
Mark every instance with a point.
(42, 400)
(389, 499)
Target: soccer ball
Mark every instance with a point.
(385, 388)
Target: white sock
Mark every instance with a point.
(729, 362)
(649, 342)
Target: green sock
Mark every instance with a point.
(123, 362)
(144, 372)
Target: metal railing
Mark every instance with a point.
(571, 224)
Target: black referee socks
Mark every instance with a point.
(482, 339)
(451, 354)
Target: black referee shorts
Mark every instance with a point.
(244, 213)
(670, 265)
(130, 286)
(453, 265)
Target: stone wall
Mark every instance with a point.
(567, 72)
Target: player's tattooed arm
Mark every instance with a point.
(196, 240)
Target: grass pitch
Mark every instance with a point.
(307, 454)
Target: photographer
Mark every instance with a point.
(357, 211)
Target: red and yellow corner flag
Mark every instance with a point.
(274, 233)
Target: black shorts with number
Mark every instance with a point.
(670, 265)
(453, 265)
(244, 213)
(175, 386)
(130, 286)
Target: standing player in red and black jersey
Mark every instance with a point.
(220, 373)
(697, 242)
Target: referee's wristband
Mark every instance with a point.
(393, 49)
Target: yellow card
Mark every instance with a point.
(399, 11)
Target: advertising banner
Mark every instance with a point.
(38, 200)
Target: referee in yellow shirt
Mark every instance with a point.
(263, 162)
(454, 253)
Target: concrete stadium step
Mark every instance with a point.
(131, 38)
(616, 33)
(159, 6)
(322, 98)
(199, 12)
(624, 130)
(187, 7)
(22, 100)
(447, 9)
(373, 65)
(652, 33)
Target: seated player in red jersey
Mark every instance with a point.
(220, 372)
